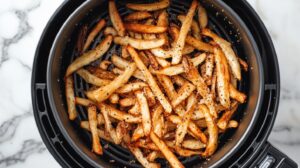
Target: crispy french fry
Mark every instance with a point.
(90, 78)
(136, 16)
(138, 133)
(143, 28)
(199, 45)
(163, 21)
(100, 119)
(144, 58)
(139, 43)
(137, 74)
(194, 76)
(244, 64)
(180, 42)
(178, 69)
(214, 84)
(150, 96)
(174, 32)
(99, 26)
(237, 95)
(146, 118)
(146, 145)
(135, 110)
(193, 144)
(139, 156)
(126, 102)
(108, 125)
(222, 78)
(186, 153)
(228, 51)
(212, 128)
(119, 115)
(202, 17)
(121, 129)
(158, 120)
(197, 114)
(70, 96)
(184, 92)
(161, 61)
(116, 18)
(110, 31)
(103, 135)
(168, 154)
(90, 56)
(232, 124)
(114, 98)
(150, 80)
(131, 87)
(104, 64)
(195, 27)
(154, 155)
(92, 115)
(178, 80)
(81, 40)
(153, 62)
(83, 102)
(124, 53)
(209, 66)
(150, 6)
(225, 118)
(106, 91)
(100, 73)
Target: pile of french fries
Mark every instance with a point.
(170, 91)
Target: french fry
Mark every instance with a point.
(209, 66)
(70, 96)
(225, 118)
(178, 80)
(223, 78)
(114, 98)
(100, 73)
(83, 102)
(138, 36)
(228, 51)
(90, 56)
(153, 62)
(180, 42)
(202, 17)
(197, 114)
(81, 40)
(168, 154)
(126, 102)
(104, 64)
(150, 6)
(131, 87)
(124, 53)
(138, 43)
(139, 156)
(90, 78)
(106, 91)
(116, 18)
(85, 125)
(108, 126)
(137, 74)
(150, 96)
(237, 95)
(99, 26)
(194, 76)
(195, 27)
(163, 21)
(232, 124)
(199, 45)
(146, 118)
(161, 61)
(174, 32)
(119, 115)
(150, 80)
(186, 153)
(178, 69)
(214, 84)
(184, 92)
(138, 133)
(193, 144)
(158, 120)
(121, 129)
(244, 64)
(153, 156)
(212, 128)
(135, 110)
(144, 58)
(137, 16)
(143, 28)
(100, 119)
(92, 115)
(146, 145)
(110, 31)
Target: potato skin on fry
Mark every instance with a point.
(70, 96)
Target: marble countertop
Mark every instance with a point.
(22, 22)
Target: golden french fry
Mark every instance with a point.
(100, 119)
(154, 155)
(153, 62)
(139, 156)
(150, 80)
(121, 130)
(180, 42)
(228, 51)
(161, 61)
(104, 64)
(70, 96)
(114, 98)
(124, 53)
(225, 118)
(150, 6)
(193, 144)
(174, 32)
(184, 92)
(243, 64)
(103, 135)
(92, 115)
(146, 145)
(126, 102)
(197, 114)
(90, 78)
(131, 87)
(186, 152)
(108, 125)
(194, 76)
(237, 95)
(106, 91)
(93, 34)
(199, 45)
(138, 133)
(110, 31)
(119, 115)
(169, 155)
(222, 78)
(178, 80)
(145, 113)
(139, 43)
(100, 73)
(135, 110)
(90, 56)
(158, 120)
(232, 124)
(136, 16)
(209, 66)
(163, 21)
(138, 36)
(202, 17)
(195, 27)
(212, 128)
(214, 84)
(143, 28)
(83, 102)
(116, 18)
(150, 96)
(137, 73)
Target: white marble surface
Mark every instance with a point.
(21, 24)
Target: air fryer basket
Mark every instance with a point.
(222, 20)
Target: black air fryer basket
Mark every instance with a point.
(236, 21)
